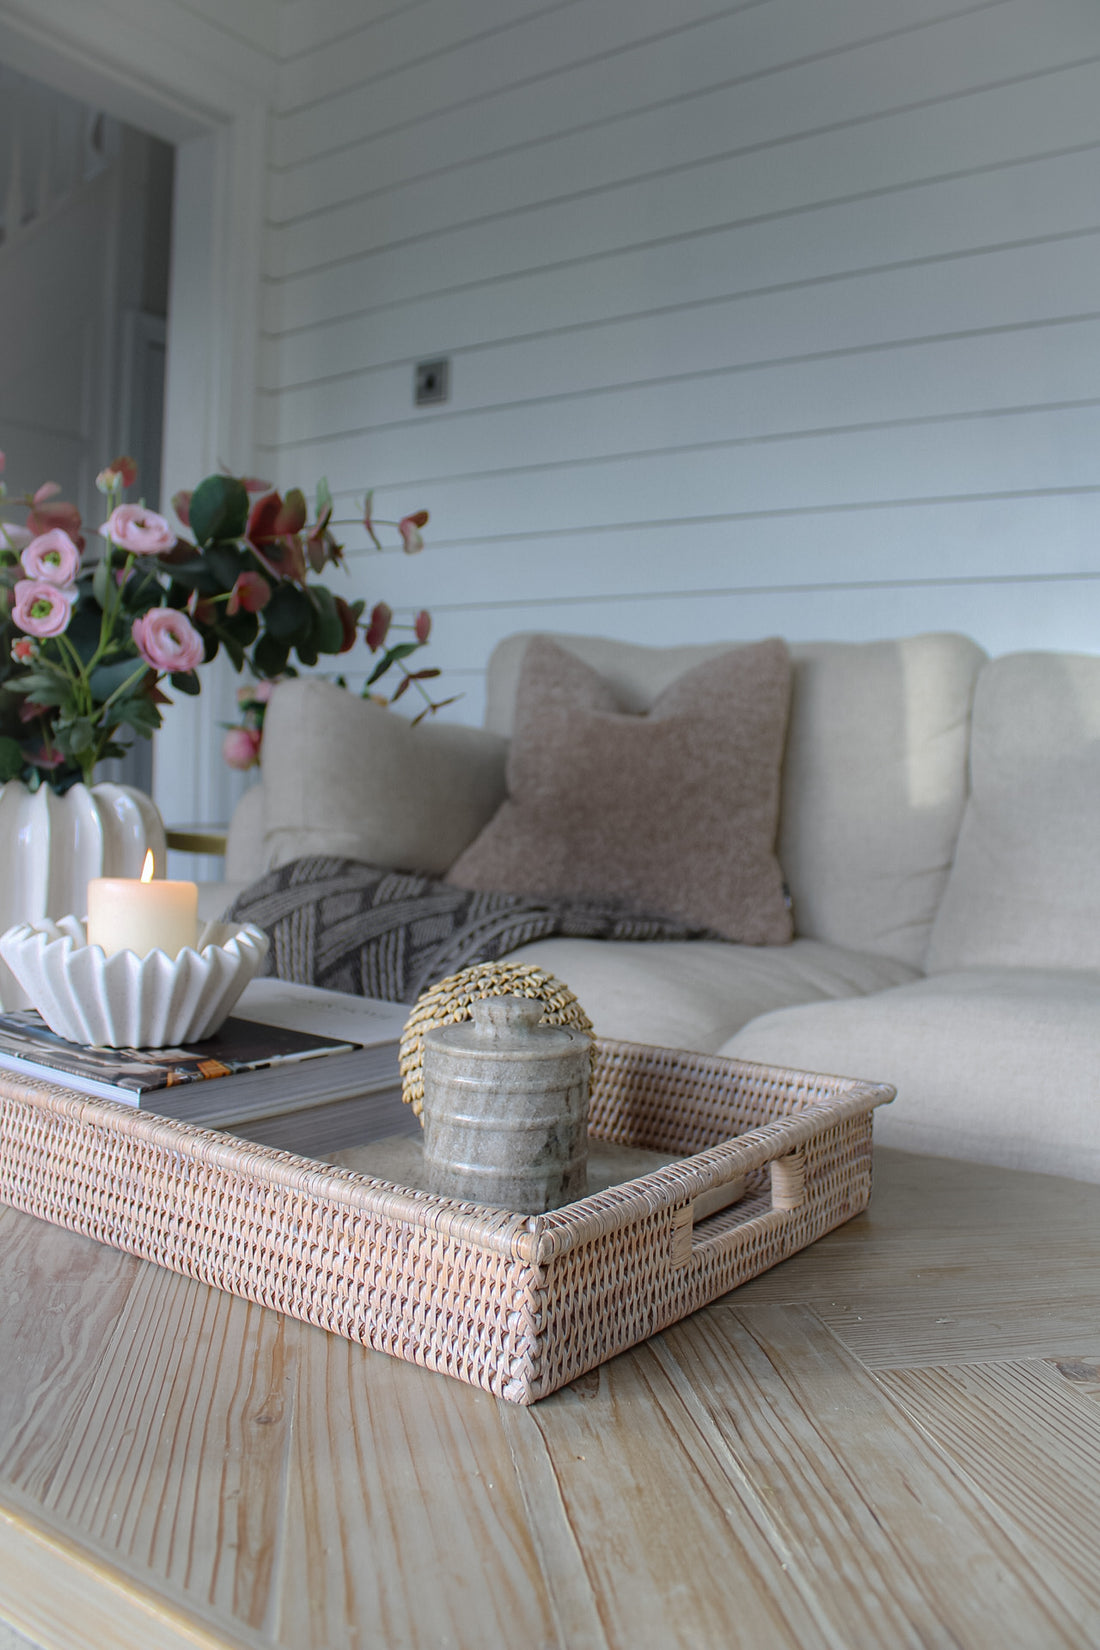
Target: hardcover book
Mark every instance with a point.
(287, 1050)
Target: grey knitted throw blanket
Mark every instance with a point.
(352, 927)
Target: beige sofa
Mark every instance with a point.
(938, 833)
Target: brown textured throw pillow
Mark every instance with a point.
(672, 812)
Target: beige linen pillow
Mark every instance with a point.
(346, 777)
(673, 812)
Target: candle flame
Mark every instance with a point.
(147, 868)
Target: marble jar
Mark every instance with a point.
(506, 1108)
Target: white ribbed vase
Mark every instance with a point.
(51, 846)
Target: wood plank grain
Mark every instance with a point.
(405, 1521)
(173, 1452)
(893, 1543)
(62, 1298)
(67, 1593)
(888, 1337)
(621, 1480)
(1026, 1437)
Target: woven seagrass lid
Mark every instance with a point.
(450, 1002)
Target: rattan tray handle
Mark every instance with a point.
(708, 1227)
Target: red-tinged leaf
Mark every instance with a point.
(348, 620)
(48, 490)
(252, 485)
(425, 675)
(402, 687)
(368, 519)
(409, 527)
(126, 470)
(423, 626)
(43, 518)
(272, 517)
(378, 629)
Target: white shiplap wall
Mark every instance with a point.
(769, 317)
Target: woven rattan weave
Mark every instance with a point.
(518, 1305)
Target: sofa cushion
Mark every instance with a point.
(1025, 887)
(673, 811)
(696, 994)
(874, 777)
(347, 777)
(993, 1065)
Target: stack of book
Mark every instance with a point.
(305, 1070)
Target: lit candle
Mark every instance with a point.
(125, 914)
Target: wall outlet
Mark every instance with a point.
(432, 381)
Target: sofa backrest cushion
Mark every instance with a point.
(874, 776)
(346, 777)
(673, 812)
(1025, 886)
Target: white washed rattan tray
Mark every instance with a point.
(516, 1304)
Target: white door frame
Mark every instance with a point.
(215, 114)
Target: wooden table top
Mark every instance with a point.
(893, 1439)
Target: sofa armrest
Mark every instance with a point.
(348, 777)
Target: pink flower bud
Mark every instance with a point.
(241, 748)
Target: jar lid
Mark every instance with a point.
(508, 1026)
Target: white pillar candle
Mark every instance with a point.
(125, 914)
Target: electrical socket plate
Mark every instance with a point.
(432, 381)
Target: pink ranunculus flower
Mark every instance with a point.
(142, 532)
(241, 747)
(168, 640)
(42, 609)
(52, 556)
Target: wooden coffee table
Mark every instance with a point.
(892, 1439)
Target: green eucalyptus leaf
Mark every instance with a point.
(390, 657)
(185, 681)
(107, 679)
(219, 509)
(288, 616)
(307, 653)
(269, 658)
(11, 760)
(328, 631)
(235, 651)
(226, 563)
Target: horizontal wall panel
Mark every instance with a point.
(905, 149)
(992, 374)
(520, 101)
(1031, 199)
(1023, 118)
(982, 539)
(319, 36)
(809, 354)
(437, 56)
(921, 457)
(1030, 614)
(1032, 287)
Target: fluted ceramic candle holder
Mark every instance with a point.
(127, 1001)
